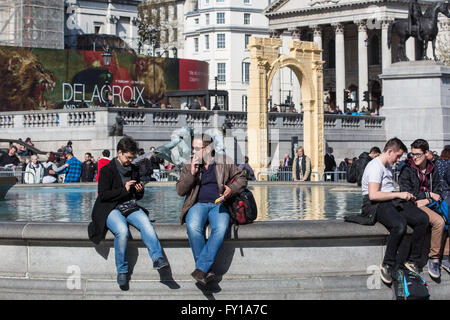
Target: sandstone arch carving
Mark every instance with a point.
(265, 61)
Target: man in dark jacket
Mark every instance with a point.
(88, 168)
(330, 164)
(420, 178)
(119, 188)
(205, 182)
(363, 160)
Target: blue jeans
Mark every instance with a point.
(118, 225)
(205, 251)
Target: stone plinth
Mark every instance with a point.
(417, 102)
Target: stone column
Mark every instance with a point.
(386, 58)
(363, 72)
(340, 64)
(317, 37)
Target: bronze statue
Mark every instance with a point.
(117, 128)
(423, 27)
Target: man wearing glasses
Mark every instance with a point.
(420, 178)
(205, 182)
(119, 188)
(394, 210)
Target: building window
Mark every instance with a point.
(207, 2)
(220, 18)
(196, 21)
(221, 72)
(195, 44)
(245, 72)
(207, 41)
(220, 1)
(175, 34)
(246, 18)
(247, 39)
(246, 1)
(175, 11)
(221, 41)
(207, 18)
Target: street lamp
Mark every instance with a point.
(153, 34)
(107, 57)
(368, 73)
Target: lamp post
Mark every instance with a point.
(107, 57)
(368, 73)
(216, 106)
(153, 33)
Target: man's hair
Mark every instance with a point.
(89, 154)
(206, 139)
(298, 148)
(13, 146)
(420, 144)
(395, 144)
(375, 149)
(128, 144)
(246, 159)
(445, 154)
(106, 153)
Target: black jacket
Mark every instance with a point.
(111, 192)
(409, 181)
(330, 163)
(361, 164)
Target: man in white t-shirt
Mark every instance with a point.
(394, 210)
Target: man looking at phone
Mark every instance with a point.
(394, 210)
(119, 188)
(204, 183)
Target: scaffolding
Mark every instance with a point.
(32, 23)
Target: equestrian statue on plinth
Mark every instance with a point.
(423, 27)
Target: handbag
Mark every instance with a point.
(440, 207)
(128, 207)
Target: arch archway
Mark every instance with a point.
(304, 61)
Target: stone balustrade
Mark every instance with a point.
(349, 135)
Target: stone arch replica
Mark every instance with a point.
(304, 60)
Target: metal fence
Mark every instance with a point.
(19, 174)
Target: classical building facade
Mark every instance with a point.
(354, 38)
(120, 18)
(218, 31)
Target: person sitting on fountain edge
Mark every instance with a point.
(205, 183)
(119, 188)
(394, 210)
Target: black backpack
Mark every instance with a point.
(242, 208)
(409, 285)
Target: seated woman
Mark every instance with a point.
(119, 188)
(51, 170)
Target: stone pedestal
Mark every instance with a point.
(417, 102)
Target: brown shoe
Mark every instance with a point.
(210, 276)
(199, 276)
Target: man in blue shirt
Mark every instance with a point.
(73, 171)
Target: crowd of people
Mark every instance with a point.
(63, 167)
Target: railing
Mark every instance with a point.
(19, 174)
(173, 118)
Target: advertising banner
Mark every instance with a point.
(36, 79)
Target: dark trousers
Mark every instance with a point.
(396, 221)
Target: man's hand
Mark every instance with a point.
(139, 186)
(224, 196)
(422, 203)
(195, 164)
(435, 196)
(406, 196)
(129, 184)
